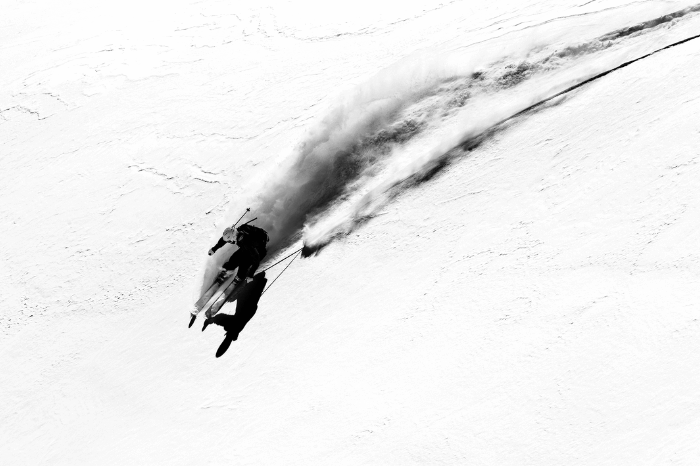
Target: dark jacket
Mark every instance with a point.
(247, 258)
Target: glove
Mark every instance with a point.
(211, 251)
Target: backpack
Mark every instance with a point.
(251, 237)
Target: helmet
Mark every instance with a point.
(230, 235)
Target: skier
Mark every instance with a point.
(252, 248)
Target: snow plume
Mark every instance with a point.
(486, 101)
(350, 143)
(411, 119)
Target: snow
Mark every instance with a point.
(530, 298)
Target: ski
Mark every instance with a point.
(214, 292)
(219, 292)
(229, 294)
(220, 278)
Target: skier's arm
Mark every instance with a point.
(217, 246)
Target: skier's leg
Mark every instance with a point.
(243, 267)
(234, 261)
(254, 264)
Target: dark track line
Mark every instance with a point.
(593, 78)
(441, 162)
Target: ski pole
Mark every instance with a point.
(246, 211)
(250, 221)
(283, 270)
(281, 260)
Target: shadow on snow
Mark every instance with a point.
(246, 306)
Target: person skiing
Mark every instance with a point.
(252, 248)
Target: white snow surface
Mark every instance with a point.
(484, 290)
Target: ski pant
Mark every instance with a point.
(245, 261)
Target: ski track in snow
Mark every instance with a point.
(408, 122)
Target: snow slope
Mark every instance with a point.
(524, 293)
